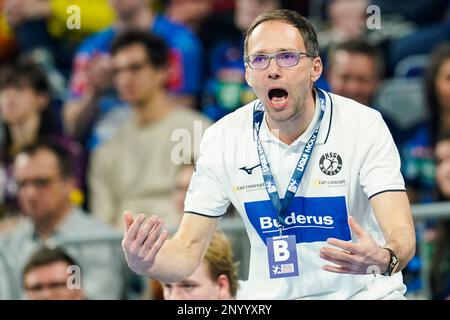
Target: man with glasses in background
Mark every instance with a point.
(50, 274)
(44, 176)
(315, 177)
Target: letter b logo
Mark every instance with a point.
(280, 250)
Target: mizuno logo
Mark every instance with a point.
(249, 170)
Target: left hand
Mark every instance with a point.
(363, 257)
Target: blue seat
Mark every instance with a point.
(403, 101)
(411, 66)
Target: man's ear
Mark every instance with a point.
(164, 75)
(316, 69)
(247, 77)
(224, 287)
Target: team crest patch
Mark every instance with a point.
(330, 163)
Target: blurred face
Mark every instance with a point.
(49, 282)
(443, 167)
(134, 76)
(199, 286)
(349, 17)
(283, 91)
(443, 85)
(43, 193)
(353, 75)
(189, 12)
(18, 104)
(127, 8)
(247, 10)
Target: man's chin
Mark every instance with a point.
(279, 115)
(36, 214)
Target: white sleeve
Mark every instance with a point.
(206, 195)
(380, 160)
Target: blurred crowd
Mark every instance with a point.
(103, 104)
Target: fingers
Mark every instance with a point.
(359, 231)
(133, 230)
(158, 244)
(342, 264)
(146, 231)
(152, 236)
(142, 234)
(346, 245)
(338, 269)
(128, 219)
(338, 256)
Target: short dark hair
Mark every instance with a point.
(292, 17)
(45, 256)
(360, 47)
(62, 154)
(24, 75)
(155, 47)
(443, 135)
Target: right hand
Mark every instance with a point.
(142, 241)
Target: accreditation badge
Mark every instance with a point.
(282, 253)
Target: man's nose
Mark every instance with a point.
(45, 294)
(273, 70)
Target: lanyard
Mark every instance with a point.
(281, 206)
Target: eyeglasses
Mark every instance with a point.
(36, 288)
(284, 59)
(133, 68)
(39, 183)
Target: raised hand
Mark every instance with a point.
(142, 241)
(363, 257)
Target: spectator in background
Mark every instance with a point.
(46, 276)
(440, 263)
(354, 70)
(214, 279)
(189, 13)
(46, 24)
(418, 152)
(347, 20)
(24, 107)
(91, 99)
(45, 180)
(137, 168)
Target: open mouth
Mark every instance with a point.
(278, 97)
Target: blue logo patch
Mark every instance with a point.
(309, 219)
